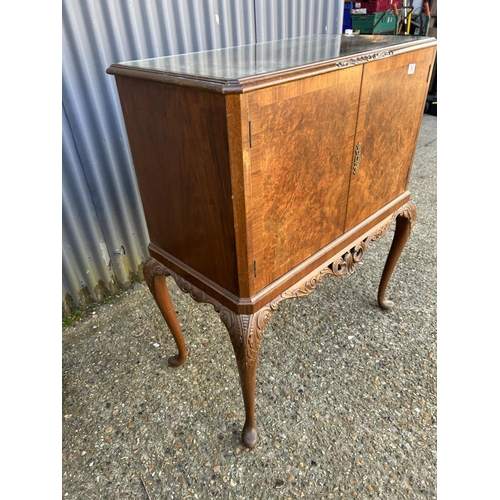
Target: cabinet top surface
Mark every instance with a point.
(254, 61)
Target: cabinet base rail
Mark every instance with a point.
(245, 330)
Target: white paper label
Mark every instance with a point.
(411, 68)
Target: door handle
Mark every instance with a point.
(357, 154)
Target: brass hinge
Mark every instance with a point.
(408, 176)
(428, 73)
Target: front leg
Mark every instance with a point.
(404, 224)
(245, 331)
(155, 275)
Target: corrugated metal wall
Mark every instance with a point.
(104, 232)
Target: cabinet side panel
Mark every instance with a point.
(390, 113)
(178, 140)
(302, 142)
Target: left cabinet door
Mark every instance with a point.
(302, 135)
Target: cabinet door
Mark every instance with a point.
(302, 135)
(391, 105)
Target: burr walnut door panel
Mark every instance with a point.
(301, 146)
(390, 112)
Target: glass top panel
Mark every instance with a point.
(234, 63)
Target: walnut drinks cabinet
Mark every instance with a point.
(265, 167)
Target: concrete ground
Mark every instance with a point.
(345, 397)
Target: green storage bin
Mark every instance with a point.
(372, 23)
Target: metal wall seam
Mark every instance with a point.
(104, 231)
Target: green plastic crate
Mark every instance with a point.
(366, 23)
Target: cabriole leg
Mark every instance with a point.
(155, 275)
(245, 331)
(404, 225)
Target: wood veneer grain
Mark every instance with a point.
(179, 144)
(390, 113)
(302, 140)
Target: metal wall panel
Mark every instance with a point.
(104, 231)
(85, 257)
(280, 19)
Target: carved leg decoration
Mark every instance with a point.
(245, 331)
(155, 274)
(404, 224)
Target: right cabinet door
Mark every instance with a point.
(391, 106)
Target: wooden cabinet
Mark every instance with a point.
(264, 168)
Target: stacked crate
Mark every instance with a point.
(373, 6)
(379, 18)
(347, 24)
